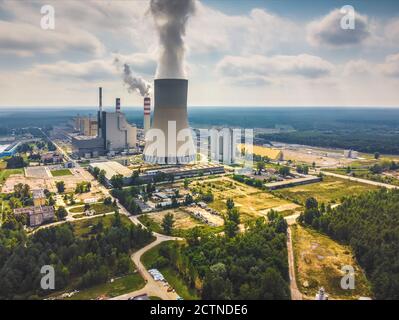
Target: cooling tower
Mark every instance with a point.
(170, 118)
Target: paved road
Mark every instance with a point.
(370, 182)
(152, 287)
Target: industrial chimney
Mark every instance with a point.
(100, 110)
(147, 114)
(118, 105)
(170, 117)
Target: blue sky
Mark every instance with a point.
(238, 53)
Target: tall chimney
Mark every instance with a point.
(100, 98)
(100, 111)
(147, 114)
(118, 105)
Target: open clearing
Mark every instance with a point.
(318, 263)
(182, 219)
(330, 190)
(251, 202)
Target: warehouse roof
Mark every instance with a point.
(112, 168)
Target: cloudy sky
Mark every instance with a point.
(239, 53)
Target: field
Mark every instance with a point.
(61, 172)
(100, 208)
(169, 273)
(183, 222)
(330, 190)
(5, 173)
(118, 287)
(318, 262)
(83, 227)
(251, 202)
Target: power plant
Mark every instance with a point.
(170, 118)
(114, 134)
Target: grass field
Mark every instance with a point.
(118, 287)
(330, 190)
(250, 201)
(5, 173)
(82, 228)
(61, 172)
(169, 273)
(318, 262)
(183, 223)
(100, 208)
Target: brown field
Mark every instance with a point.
(182, 219)
(318, 263)
(41, 178)
(250, 201)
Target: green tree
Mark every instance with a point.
(61, 213)
(60, 185)
(167, 223)
(117, 181)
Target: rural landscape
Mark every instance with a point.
(198, 150)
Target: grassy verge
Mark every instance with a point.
(171, 275)
(61, 172)
(118, 287)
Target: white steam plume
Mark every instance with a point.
(134, 84)
(170, 18)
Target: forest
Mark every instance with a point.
(79, 261)
(369, 223)
(361, 140)
(250, 265)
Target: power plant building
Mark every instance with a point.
(118, 134)
(114, 134)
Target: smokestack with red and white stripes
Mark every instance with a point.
(118, 105)
(147, 114)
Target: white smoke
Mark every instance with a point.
(170, 18)
(134, 84)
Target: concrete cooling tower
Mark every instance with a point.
(170, 111)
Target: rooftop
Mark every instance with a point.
(112, 168)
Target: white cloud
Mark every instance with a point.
(93, 70)
(27, 40)
(303, 65)
(391, 66)
(143, 63)
(210, 30)
(327, 31)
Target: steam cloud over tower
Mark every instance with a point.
(170, 87)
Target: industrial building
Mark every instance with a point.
(117, 133)
(37, 215)
(170, 118)
(185, 171)
(86, 125)
(114, 134)
(112, 168)
(8, 150)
